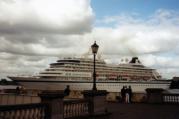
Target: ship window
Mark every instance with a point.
(73, 74)
(79, 74)
(66, 73)
(85, 74)
(76, 74)
(70, 74)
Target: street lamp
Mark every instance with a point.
(94, 48)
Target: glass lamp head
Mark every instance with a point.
(94, 48)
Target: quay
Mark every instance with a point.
(140, 111)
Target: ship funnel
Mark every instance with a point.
(135, 60)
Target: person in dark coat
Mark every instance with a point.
(17, 90)
(123, 92)
(67, 90)
(130, 93)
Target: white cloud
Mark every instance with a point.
(49, 16)
(37, 43)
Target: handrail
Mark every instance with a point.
(76, 101)
(23, 106)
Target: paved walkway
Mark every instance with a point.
(140, 111)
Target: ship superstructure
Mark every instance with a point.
(78, 73)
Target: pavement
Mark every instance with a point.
(139, 111)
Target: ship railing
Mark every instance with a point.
(170, 98)
(25, 111)
(76, 108)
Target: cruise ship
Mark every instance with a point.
(78, 73)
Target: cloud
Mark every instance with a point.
(27, 40)
(49, 16)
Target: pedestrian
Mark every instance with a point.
(123, 94)
(17, 90)
(127, 95)
(130, 93)
(22, 89)
(67, 90)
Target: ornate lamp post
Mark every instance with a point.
(94, 48)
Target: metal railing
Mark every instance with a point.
(25, 111)
(76, 108)
(170, 98)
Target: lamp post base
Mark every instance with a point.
(98, 101)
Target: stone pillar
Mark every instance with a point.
(55, 100)
(154, 95)
(98, 103)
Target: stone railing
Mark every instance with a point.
(13, 99)
(76, 108)
(170, 98)
(25, 111)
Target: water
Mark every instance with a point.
(7, 87)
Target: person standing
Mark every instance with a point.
(127, 95)
(130, 93)
(67, 90)
(17, 90)
(22, 89)
(123, 94)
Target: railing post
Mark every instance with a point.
(154, 95)
(98, 103)
(55, 100)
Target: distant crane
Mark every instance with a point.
(86, 55)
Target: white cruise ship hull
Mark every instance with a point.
(80, 85)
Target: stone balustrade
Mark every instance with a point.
(52, 106)
(170, 98)
(13, 99)
(25, 111)
(76, 108)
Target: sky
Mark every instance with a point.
(34, 33)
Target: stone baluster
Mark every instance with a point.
(83, 109)
(31, 111)
(73, 110)
(65, 111)
(43, 112)
(16, 115)
(6, 114)
(76, 109)
(79, 111)
(39, 113)
(11, 114)
(68, 110)
(21, 114)
(26, 113)
(86, 108)
(35, 113)
(168, 98)
(1, 114)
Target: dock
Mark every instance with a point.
(140, 111)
